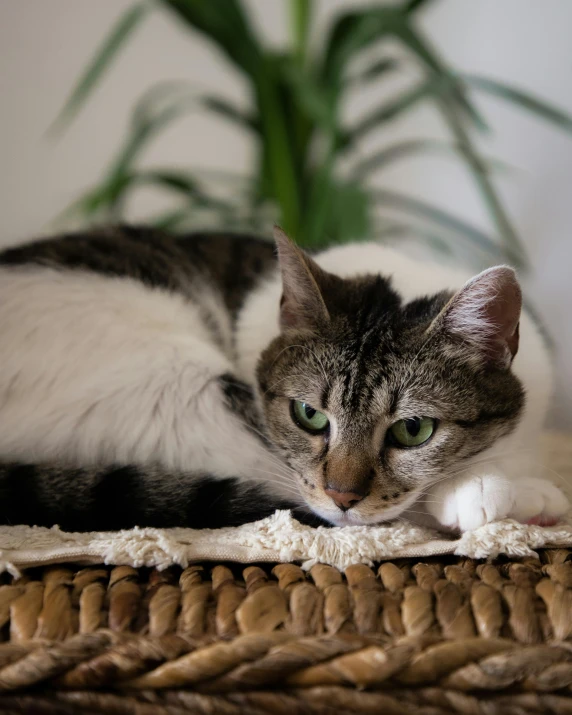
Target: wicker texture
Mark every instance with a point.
(447, 635)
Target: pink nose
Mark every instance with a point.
(343, 500)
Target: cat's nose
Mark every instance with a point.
(343, 500)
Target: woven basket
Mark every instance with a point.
(433, 637)
(446, 635)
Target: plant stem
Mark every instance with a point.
(300, 11)
(278, 153)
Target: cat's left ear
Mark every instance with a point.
(485, 313)
(302, 304)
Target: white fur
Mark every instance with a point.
(97, 368)
(478, 499)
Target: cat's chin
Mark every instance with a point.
(352, 517)
(349, 518)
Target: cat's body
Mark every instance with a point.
(131, 360)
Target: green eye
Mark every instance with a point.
(308, 418)
(413, 431)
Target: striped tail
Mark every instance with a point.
(121, 497)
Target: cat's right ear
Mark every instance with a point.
(485, 314)
(302, 304)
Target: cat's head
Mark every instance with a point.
(370, 400)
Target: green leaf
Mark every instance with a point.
(311, 97)
(95, 202)
(351, 33)
(411, 147)
(225, 24)
(373, 71)
(227, 110)
(356, 30)
(414, 5)
(439, 80)
(101, 62)
(180, 182)
(349, 215)
(183, 183)
(439, 71)
(161, 94)
(536, 106)
(172, 92)
(102, 200)
(416, 207)
(147, 121)
(480, 172)
(319, 194)
(142, 132)
(192, 216)
(451, 97)
(279, 178)
(158, 107)
(171, 220)
(388, 111)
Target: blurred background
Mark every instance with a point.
(384, 120)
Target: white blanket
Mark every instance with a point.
(277, 538)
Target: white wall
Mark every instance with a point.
(44, 43)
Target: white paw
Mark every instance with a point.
(538, 501)
(469, 502)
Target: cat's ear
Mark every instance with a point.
(302, 304)
(485, 313)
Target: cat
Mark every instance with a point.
(159, 380)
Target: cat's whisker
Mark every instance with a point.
(284, 488)
(568, 482)
(402, 520)
(296, 496)
(279, 466)
(412, 511)
(499, 456)
(272, 458)
(477, 462)
(289, 489)
(424, 501)
(278, 478)
(286, 478)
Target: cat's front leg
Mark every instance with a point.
(472, 500)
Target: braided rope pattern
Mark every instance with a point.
(445, 635)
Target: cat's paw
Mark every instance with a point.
(472, 501)
(538, 501)
(469, 502)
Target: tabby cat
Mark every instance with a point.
(157, 380)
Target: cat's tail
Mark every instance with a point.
(121, 497)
